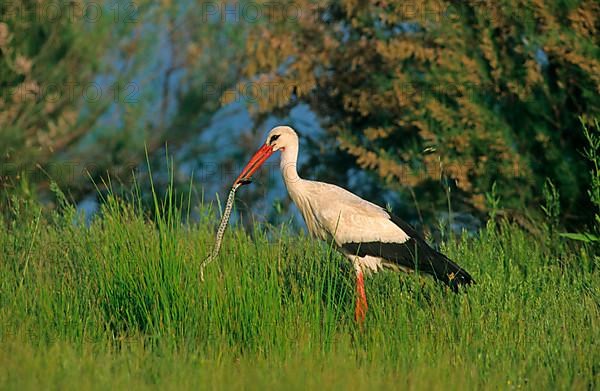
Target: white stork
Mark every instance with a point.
(365, 233)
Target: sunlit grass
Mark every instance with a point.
(119, 303)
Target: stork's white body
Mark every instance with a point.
(331, 212)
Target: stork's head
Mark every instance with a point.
(279, 138)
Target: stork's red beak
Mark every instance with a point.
(254, 164)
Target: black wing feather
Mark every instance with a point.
(415, 254)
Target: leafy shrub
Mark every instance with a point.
(479, 91)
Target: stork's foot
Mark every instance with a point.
(360, 312)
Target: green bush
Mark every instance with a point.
(479, 92)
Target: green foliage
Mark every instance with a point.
(585, 237)
(118, 303)
(146, 60)
(50, 56)
(592, 153)
(493, 202)
(492, 90)
(551, 206)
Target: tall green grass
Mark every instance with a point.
(119, 303)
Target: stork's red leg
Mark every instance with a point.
(360, 312)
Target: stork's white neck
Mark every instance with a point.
(288, 166)
(297, 187)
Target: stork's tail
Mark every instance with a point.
(426, 259)
(449, 272)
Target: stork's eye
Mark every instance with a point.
(273, 138)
